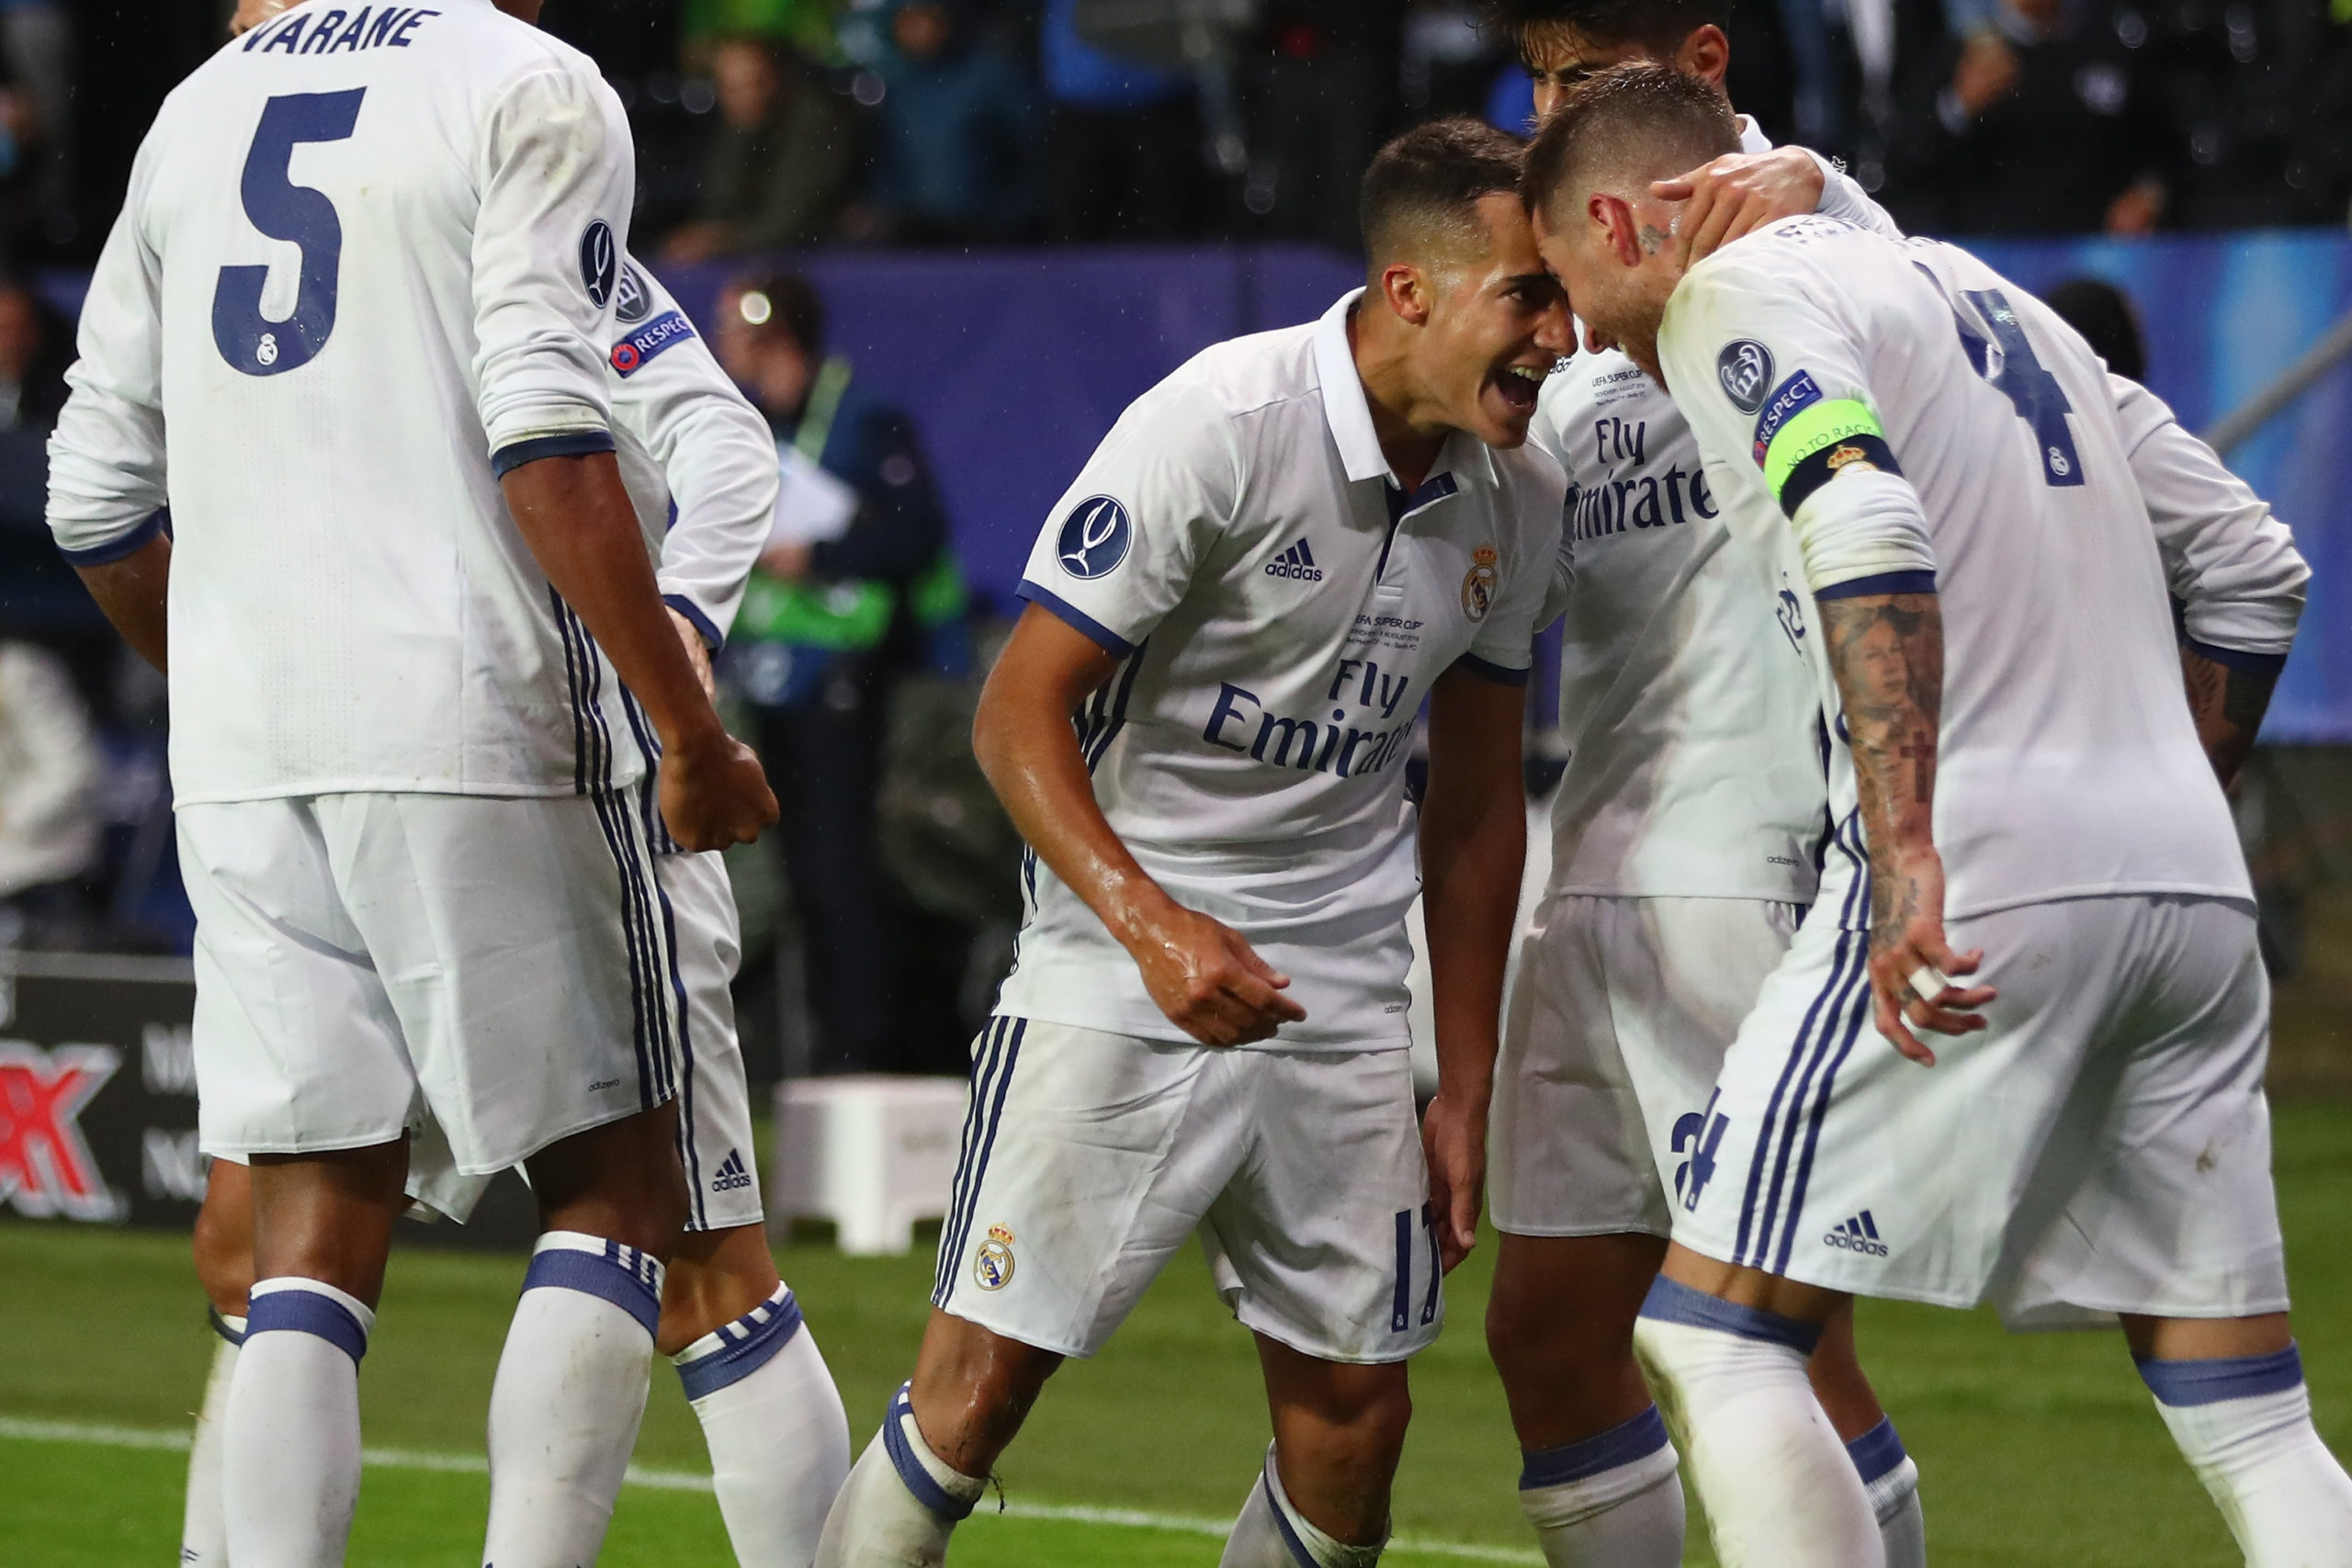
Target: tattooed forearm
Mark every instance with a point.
(1887, 652)
(2228, 704)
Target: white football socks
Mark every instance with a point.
(1612, 1500)
(901, 1501)
(778, 1437)
(1779, 1488)
(1891, 1483)
(204, 1530)
(1270, 1533)
(2245, 1425)
(290, 1472)
(568, 1399)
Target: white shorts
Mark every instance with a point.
(2103, 1146)
(497, 970)
(1620, 1017)
(1087, 1159)
(715, 1144)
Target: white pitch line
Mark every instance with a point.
(85, 1434)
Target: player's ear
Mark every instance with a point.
(1407, 291)
(1614, 216)
(1705, 54)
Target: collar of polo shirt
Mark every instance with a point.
(1347, 409)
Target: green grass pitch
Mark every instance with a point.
(2033, 1450)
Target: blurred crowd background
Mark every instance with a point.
(939, 243)
(770, 123)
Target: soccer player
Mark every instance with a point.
(1941, 461)
(1201, 726)
(1683, 832)
(350, 328)
(777, 1435)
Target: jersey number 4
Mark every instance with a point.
(2021, 378)
(248, 340)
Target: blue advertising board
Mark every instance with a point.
(1015, 362)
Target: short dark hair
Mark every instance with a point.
(1657, 116)
(1659, 25)
(795, 309)
(2104, 315)
(1427, 182)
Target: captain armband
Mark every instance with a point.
(1815, 442)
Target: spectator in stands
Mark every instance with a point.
(779, 163)
(958, 134)
(1324, 93)
(36, 347)
(2262, 91)
(1123, 154)
(806, 26)
(828, 625)
(2104, 315)
(49, 768)
(2045, 122)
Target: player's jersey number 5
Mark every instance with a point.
(249, 341)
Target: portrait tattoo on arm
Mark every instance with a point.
(1887, 652)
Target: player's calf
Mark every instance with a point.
(323, 1225)
(773, 1422)
(1889, 1477)
(1322, 1498)
(572, 1382)
(920, 1476)
(1779, 1484)
(223, 1248)
(1596, 1477)
(2243, 1419)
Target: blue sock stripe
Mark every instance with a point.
(1620, 1444)
(2180, 1384)
(610, 1277)
(733, 1363)
(927, 1492)
(307, 1312)
(221, 1326)
(1672, 1301)
(1876, 1452)
(1299, 1554)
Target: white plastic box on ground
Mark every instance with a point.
(871, 1152)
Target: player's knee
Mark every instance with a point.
(1517, 1334)
(715, 1278)
(224, 1260)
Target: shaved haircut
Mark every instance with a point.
(1421, 195)
(1625, 127)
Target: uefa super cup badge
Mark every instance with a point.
(993, 1263)
(1479, 585)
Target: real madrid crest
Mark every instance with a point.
(1479, 585)
(993, 1263)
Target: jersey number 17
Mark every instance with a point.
(248, 340)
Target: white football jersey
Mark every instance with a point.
(1280, 610)
(1690, 714)
(699, 460)
(1904, 418)
(366, 263)
(701, 470)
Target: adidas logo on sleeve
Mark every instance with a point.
(1296, 563)
(1857, 1234)
(731, 1174)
